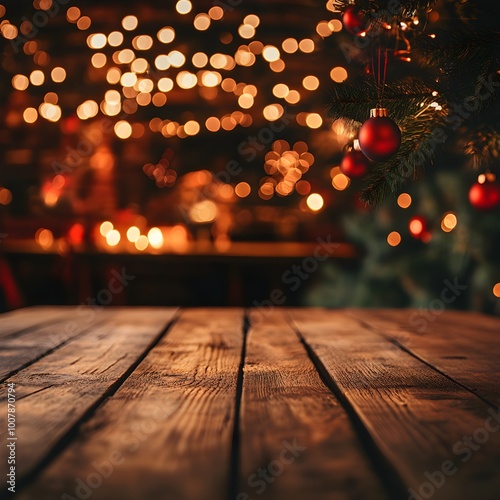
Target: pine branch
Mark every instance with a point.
(387, 10)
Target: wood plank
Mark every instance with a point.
(168, 429)
(449, 347)
(284, 404)
(417, 417)
(56, 392)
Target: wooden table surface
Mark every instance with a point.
(226, 404)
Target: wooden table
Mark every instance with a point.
(223, 404)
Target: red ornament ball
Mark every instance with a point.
(418, 227)
(379, 137)
(354, 20)
(354, 164)
(485, 196)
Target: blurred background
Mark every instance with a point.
(186, 146)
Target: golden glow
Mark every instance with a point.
(186, 80)
(50, 112)
(404, 200)
(335, 25)
(416, 227)
(44, 238)
(113, 75)
(162, 62)
(293, 97)
(216, 13)
(166, 35)
(290, 45)
(341, 182)
(126, 56)
(212, 124)
(165, 84)
(394, 239)
(273, 112)
(310, 82)
(84, 23)
(155, 237)
(113, 238)
(142, 243)
(97, 41)
(30, 115)
(106, 227)
(202, 22)
(5, 196)
(9, 31)
(338, 74)
(315, 202)
(203, 211)
(20, 82)
(177, 59)
(128, 79)
(142, 42)
(192, 127)
(242, 189)
(200, 60)
(133, 234)
(183, 6)
(281, 90)
(270, 53)
(123, 129)
(314, 120)
(306, 46)
(246, 31)
(58, 74)
(139, 65)
(449, 222)
(496, 290)
(323, 29)
(115, 39)
(72, 14)
(130, 23)
(87, 110)
(99, 60)
(37, 77)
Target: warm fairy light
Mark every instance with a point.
(323, 29)
(183, 6)
(340, 182)
(496, 290)
(58, 74)
(50, 112)
(113, 237)
(416, 227)
(112, 97)
(306, 46)
(186, 80)
(246, 31)
(5, 196)
(273, 112)
(126, 56)
(404, 200)
(84, 23)
(130, 23)
(211, 78)
(191, 127)
(203, 211)
(242, 189)
(159, 99)
(145, 85)
(335, 25)
(290, 45)
(166, 35)
(142, 42)
(113, 75)
(20, 82)
(44, 238)
(9, 31)
(202, 22)
(162, 62)
(293, 97)
(87, 110)
(165, 84)
(449, 222)
(97, 41)
(143, 99)
(216, 13)
(106, 227)
(177, 59)
(394, 239)
(51, 98)
(115, 39)
(252, 20)
(128, 79)
(277, 66)
(245, 101)
(315, 202)
(72, 14)
(212, 124)
(133, 234)
(123, 129)
(139, 65)
(155, 237)
(99, 60)
(37, 77)
(199, 60)
(314, 120)
(310, 82)
(303, 187)
(30, 115)
(281, 90)
(270, 53)
(338, 74)
(142, 243)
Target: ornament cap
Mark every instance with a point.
(376, 112)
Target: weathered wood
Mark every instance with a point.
(463, 350)
(286, 406)
(417, 417)
(57, 391)
(167, 432)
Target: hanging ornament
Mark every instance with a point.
(379, 137)
(354, 163)
(485, 193)
(418, 227)
(354, 20)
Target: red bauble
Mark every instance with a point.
(379, 137)
(485, 196)
(418, 227)
(354, 164)
(354, 20)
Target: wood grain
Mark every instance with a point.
(168, 429)
(56, 392)
(455, 344)
(284, 403)
(417, 417)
